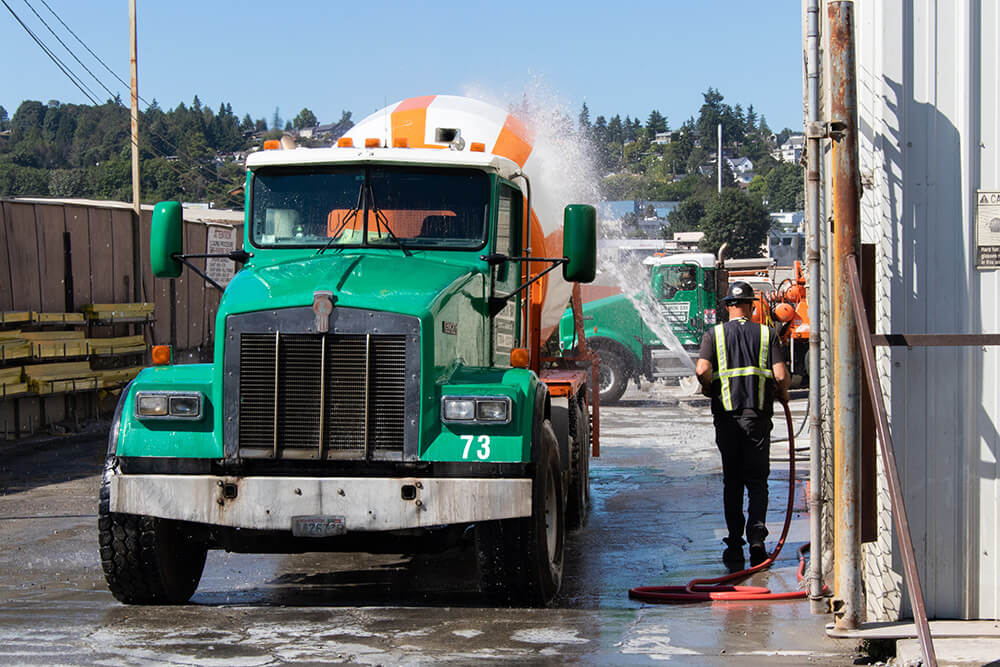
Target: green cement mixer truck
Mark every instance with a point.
(377, 384)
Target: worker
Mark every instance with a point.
(688, 280)
(741, 367)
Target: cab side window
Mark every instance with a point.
(508, 216)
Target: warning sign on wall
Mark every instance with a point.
(221, 240)
(988, 229)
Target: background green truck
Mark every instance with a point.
(682, 295)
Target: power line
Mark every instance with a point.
(211, 174)
(113, 95)
(65, 70)
(68, 50)
(89, 50)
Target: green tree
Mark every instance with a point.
(656, 122)
(696, 158)
(276, 122)
(736, 218)
(583, 120)
(305, 118)
(751, 119)
(687, 216)
(757, 188)
(785, 189)
(709, 116)
(616, 131)
(624, 186)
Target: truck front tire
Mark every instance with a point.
(147, 560)
(613, 374)
(521, 560)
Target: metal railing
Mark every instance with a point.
(889, 463)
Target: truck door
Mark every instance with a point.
(505, 327)
(706, 300)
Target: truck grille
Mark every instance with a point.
(322, 396)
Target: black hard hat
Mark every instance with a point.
(739, 292)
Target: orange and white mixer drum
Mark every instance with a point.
(413, 122)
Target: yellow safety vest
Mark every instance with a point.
(726, 374)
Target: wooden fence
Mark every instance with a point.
(62, 255)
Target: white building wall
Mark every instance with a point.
(928, 113)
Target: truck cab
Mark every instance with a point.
(370, 389)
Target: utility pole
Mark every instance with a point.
(137, 207)
(718, 166)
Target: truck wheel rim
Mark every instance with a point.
(605, 378)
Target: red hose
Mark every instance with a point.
(716, 588)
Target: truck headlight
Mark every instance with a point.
(493, 410)
(458, 409)
(168, 404)
(151, 405)
(476, 409)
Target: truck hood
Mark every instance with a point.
(392, 283)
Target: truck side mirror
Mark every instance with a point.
(166, 239)
(580, 243)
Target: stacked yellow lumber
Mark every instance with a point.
(118, 376)
(120, 345)
(57, 378)
(15, 317)
(57, 344)
(119, 313)
(13, 345)
(12, 382)
(56, 318)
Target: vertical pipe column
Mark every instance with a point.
(847, 605)
(813, 149)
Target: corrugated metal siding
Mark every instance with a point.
(928, 112)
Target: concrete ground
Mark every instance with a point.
(656, 519)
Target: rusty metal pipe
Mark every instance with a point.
(892, 475)
(817, 602)
(847, 606)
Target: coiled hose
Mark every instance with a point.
(719, 588)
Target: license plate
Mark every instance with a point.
(318, 526)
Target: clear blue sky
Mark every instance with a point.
(626, 57)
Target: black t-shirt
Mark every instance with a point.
(741, 331)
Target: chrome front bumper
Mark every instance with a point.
(364, 504)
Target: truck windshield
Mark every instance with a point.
(382, 206)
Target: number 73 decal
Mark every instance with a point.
(483, 449)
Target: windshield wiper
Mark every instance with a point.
(353, 213)
(380, 219)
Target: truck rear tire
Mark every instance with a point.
(578, 504)
(612, 376)
(521, 560)
(147, 560)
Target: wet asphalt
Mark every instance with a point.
(656, 518)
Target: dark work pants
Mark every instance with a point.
(744, 440)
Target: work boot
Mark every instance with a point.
(732, 557)
(758, 553)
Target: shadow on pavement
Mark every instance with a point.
(28, 464)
